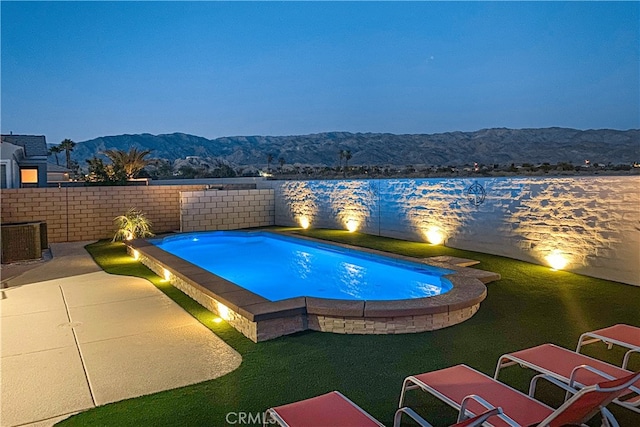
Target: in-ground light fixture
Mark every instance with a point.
(556, 260)
(435, 235)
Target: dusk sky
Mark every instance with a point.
(81, 70)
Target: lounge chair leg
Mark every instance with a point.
(627, 356)
(608, 420)
(405, 387)
(502, 363)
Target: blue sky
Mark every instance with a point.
(81, 70)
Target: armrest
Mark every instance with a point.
(574, 372)
(480, 419)
(490, 408)
(552, 380)
(397, 418)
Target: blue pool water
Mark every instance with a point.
(279, 267)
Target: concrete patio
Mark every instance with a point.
(74, 337)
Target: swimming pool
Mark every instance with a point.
(280, 267)
(443, 293)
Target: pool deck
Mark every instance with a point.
(260, 319)
(74, 337)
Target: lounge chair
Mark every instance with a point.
(466, 389)
(626, 336)
(574, 369)
(336, 410)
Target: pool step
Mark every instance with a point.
(461, 265)
(460, 262)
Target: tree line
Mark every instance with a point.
(125, 165)
(135, 163)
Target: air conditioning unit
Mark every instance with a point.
(23, 241)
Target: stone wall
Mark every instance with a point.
(593, 223)
(226, 209)
(87, 213)
(390, 325)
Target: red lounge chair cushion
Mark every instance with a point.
(457, 382)
(330, 409)
(561, 362)
(622, 333)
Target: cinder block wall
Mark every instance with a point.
(594, 222)
(226, 209)
(87, 213)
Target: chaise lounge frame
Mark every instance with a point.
(623, 335)
(518, 408)
(573, 369)
(336, 410)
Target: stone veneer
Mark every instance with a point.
(594, 222)
(260, 319)
(390, 325)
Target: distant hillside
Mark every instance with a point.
(487, 146)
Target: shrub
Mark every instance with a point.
(132, 225)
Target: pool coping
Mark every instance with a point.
(468, 289)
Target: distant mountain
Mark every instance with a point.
(487, 146)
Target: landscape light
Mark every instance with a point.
(352, 225)
(304, 222)
(224, 312)
(167, 274)
(557, 260)
(435, 236)
(136, 254)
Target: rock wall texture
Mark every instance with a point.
(592, 224)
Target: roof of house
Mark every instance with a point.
(34, 145)
(56, 168)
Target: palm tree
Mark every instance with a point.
(341, 153)
(55, 150)
(269, 160)
(67, 145)
(282, 161)
(347, 157)
(130, 162)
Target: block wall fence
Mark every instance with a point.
(593, 223)
(87, 213)
(226, 209)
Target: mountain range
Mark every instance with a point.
(487, 146)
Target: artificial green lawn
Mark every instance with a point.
(530, 305)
